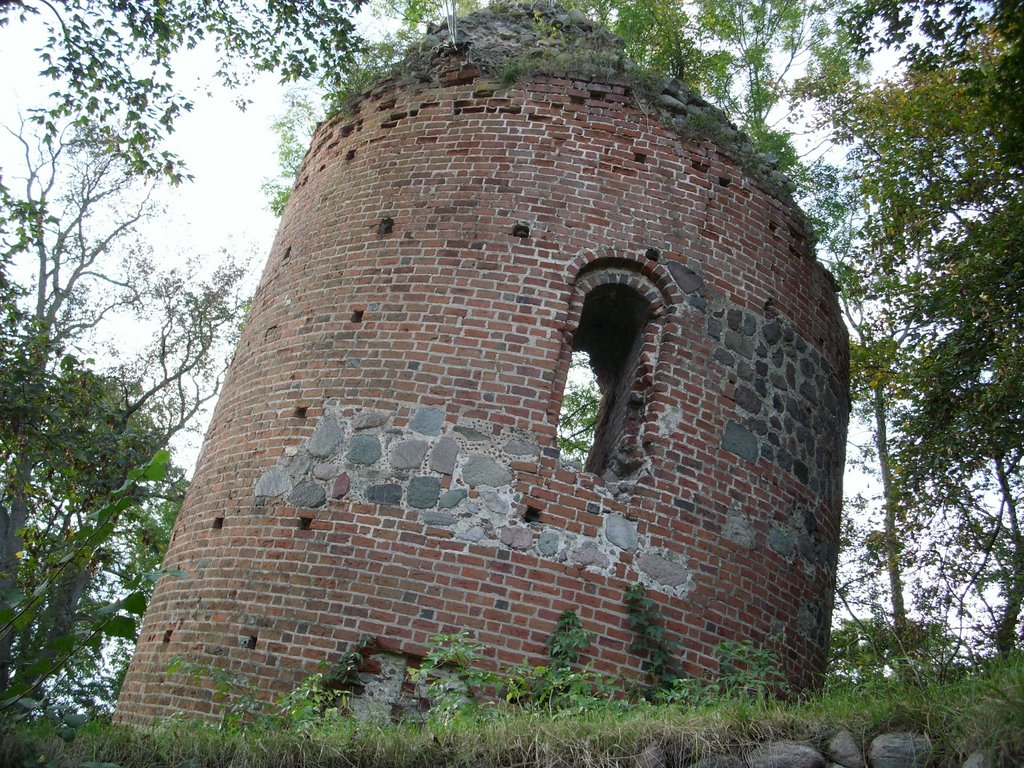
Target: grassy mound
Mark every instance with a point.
(984, 712)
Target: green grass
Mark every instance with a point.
(980, 713)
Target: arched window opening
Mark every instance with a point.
(611, 335)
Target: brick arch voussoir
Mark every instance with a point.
(655, 272)
(647, 278)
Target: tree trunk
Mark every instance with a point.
(890, 536)
(13, 518)
(1007, 637)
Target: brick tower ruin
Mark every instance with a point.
(383, 460)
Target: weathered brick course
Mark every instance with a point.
(388, 423)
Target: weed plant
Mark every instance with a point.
(984, 712)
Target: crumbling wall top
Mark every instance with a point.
(515, 41)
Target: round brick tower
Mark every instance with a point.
(383, 460)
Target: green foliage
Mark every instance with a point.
(561, 690)
(343, 674)
(71, 430)
(982, 712)
(932, 280)
(454, 681)
(569, 640)
(651, 641)
(307, 106)
(117, 619)
(577, 420)
(236, 695)
(558, 687)
(112, 63)
(294, 129)
(937, 35)
(658, 35)
(746, 671)
(319, 700)
(870, 651)
(745, 57)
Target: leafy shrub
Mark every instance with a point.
(651, 641)
(454, 684)
(569, 640)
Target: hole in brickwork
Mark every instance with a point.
(305, 523)
(640, 157)
(350, 156)
(725, 181)
(520, 230)
(249, 642)
(653, 254)
(386, 226)
(357, 315)
(167, 635)
(600, 416)
(287, 253)
(218, 523)
(347, 129)
(300, 411)
(532, 514)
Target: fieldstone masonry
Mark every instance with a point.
(383, 460)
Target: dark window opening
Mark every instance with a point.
(610, 335)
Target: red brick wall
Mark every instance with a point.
(444, 345)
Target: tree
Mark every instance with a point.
(745, 56)
(329, 95)
(879, 347)
(937, 34)
(965, 425)
(937, 257)
(577, 420)
(70, 430)
(112, 62)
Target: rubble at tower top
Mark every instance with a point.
(515, 41)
